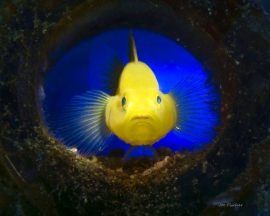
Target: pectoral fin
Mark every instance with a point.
(196, 104)
(82, 123)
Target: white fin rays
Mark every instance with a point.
(195, 104)
(82, 123)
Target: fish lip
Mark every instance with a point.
(142, 117)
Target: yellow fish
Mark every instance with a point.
(139, 113)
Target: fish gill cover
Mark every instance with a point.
(88, 66)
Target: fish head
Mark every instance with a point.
(140, 116)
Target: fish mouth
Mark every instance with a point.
(142, 117)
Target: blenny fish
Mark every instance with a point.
(138, 113)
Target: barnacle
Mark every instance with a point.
(233, 43)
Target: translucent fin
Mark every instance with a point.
(82, 123)
(196, 104)
(141, 151)
(105, 68)
(133, 57)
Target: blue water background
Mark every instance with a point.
(71, 75)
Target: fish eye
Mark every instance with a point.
(158, 99)
(231, 41)
(124, 101)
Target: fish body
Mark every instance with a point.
(138, 113)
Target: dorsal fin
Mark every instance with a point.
(106, 68)
(133, 57)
